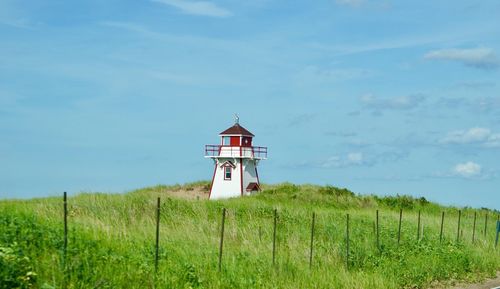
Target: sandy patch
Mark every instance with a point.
(191, 193)
(488, 284)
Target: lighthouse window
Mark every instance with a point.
(226, 140)
(227, 173)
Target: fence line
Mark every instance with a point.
(420, 234)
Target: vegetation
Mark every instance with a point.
(112, 237)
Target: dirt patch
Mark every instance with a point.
(488, 284)
(191, 193)
(492, 283)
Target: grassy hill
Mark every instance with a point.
(112, 237)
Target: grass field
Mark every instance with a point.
(112, 237)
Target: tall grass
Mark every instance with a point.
(111, 241)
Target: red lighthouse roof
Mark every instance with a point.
(236, 129)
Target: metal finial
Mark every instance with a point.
(236, 119)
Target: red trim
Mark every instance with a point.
(252, 187)
(241, 175)
(257, 174)
(213, 178)
(227, 164)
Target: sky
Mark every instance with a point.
(382, 97)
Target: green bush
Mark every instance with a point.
(16, 270)
(402, 201)
(337, 192)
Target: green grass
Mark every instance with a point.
(111, 241)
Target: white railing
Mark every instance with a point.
(235, 151)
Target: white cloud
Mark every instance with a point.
(387, 44)
(355, 158)
(351, 159)
(315, 74)
(13, 14)
(301, 119)
(473, 84)
(476, 135)
(487, 104)
(397, 103)
(484, 58)
(467, 170)
(484, 104)
(204, 8)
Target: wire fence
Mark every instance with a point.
(421, 231)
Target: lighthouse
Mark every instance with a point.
(235, 160)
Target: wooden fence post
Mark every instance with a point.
(222, 237)
(400, 221)
(418, 226)
(474, 228)
(498, 233)
(157, 234)
(312, 240)
(459, 220)
(65, 245)
(485, 224)
(377, 229)
(274, 235)
(442, 228)
(347, 242)
(65, 205)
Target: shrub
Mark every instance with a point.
(190, 276)
(402, 201)
(333, 191)
(15, 269)
(283, 189)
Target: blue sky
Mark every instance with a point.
(380, 97)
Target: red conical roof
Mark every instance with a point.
(237, 129)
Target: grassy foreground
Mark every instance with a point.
(112, 237)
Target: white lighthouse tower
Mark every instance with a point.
(235, 159)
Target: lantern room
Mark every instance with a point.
(236, 136)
